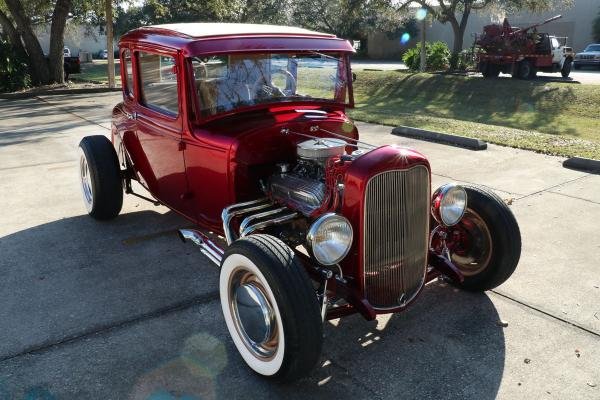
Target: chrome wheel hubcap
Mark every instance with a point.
(86, 182)
(253, 314)
(477, 257)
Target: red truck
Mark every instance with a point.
(521, 52)
(242, 130)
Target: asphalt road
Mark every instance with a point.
(123, 310)
(586, 76)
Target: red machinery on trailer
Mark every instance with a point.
(521, 52)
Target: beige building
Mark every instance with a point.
(576, 23)
(78, 38)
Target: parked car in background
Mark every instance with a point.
(588, 57)
(242, 130)
(103, 54)
(71, 64)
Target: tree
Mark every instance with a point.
(596, 28)
(18, 18)
(457, 12)
(21, 23)
(350, 19)
(167, 11)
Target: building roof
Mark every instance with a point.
(208, 29)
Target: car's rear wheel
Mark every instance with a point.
(486, 244)
(270, 308)
(100, 177)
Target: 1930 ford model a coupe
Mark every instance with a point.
(242, 130)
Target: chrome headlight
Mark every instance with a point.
(329, 238)
(449, 204)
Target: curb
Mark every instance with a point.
(27, 95)
(431, 136)
(582, 164)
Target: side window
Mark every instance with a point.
(158, 81)
(128, 84)
(555, 44)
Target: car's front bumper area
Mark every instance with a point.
(587, 62)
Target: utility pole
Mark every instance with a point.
(423, 66)
(109, 44)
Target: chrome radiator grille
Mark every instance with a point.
(396, 229)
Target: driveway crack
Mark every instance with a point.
(553, 187)
(110, 327)
(547, 313)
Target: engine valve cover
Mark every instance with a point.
(303, 195)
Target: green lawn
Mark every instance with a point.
(550, 117)
(97, 72)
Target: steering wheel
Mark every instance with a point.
(268, 89)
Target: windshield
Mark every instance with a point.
(227, 82)
(593, 47)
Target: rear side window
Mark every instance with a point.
(158, 81)
(128, 84)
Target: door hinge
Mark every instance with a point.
(181, 146)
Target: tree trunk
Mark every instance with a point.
(37, 62)
(109, 44)
(57, 40)
(12, 34)
(459, 34)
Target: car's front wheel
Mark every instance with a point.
(100, 177)
(486, 244)
(270, 307)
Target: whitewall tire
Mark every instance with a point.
(270, 308)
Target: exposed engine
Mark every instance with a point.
(302, 186)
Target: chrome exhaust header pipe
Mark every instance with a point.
(207, 247)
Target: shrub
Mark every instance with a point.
(437, 56)
(14, 73)
(466, 60)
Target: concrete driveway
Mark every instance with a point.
(123, 310)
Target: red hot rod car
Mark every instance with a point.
(242, 130)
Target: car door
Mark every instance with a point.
(159, 156)
(556, 51)
(124, 126)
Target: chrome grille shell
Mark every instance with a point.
(395, 236)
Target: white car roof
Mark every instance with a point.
(206, 29)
